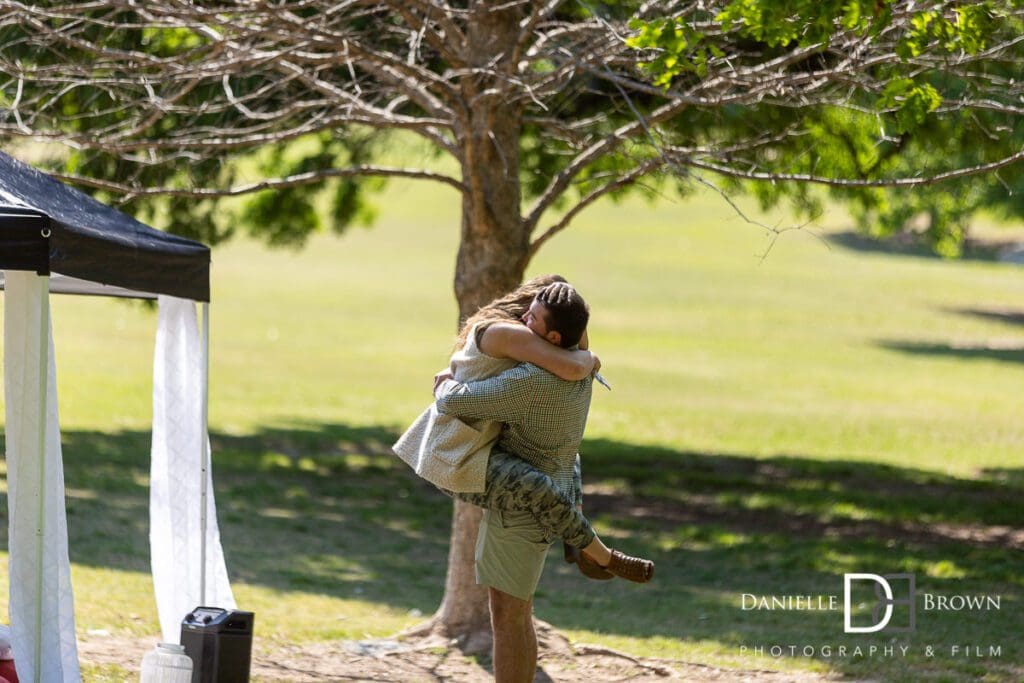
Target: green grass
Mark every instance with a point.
(773, 425)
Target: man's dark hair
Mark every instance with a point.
(565, 312)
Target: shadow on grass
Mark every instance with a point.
(904, 244)
(1003, 315)
(1006, 475)
(326, 509)
(720, 526)
(1007, 353)
(805, 497)
(315, 508)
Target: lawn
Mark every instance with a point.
(774, 424)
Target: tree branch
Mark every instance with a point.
(931, 179)
(563, 179)
(622, 181)
(131, 191)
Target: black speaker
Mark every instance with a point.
(219, 641)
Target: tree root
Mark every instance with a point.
(584, 650)
(432, 633)
(421, 630)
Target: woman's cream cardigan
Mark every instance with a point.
(444, 450)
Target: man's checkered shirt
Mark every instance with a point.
(544, 416)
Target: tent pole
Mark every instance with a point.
(44, 385)
(205, 438)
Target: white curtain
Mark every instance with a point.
(180, 448)
(41, 605)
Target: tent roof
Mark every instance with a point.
(47, 226)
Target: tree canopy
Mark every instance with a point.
(161, 102)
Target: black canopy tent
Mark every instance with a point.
(49, 227)
(81, 246)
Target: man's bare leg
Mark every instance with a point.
(531, 645)
(515, 643)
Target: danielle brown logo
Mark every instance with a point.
(885, 605)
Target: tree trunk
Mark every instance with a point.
(492, 257)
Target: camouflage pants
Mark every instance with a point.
(514, 485)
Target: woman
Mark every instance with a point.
(457, 457)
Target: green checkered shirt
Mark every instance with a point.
(544, 416)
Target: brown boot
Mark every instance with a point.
(587, 567)
(635, 569)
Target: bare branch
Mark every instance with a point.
(425, 27)
(774, 231)
(131, 191)
(929, 179)
(452, 37)
(563, 180)
(619, 183)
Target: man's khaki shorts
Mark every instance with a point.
(510, 552)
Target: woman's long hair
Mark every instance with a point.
(510, 307)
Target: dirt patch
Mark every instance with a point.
(392, 660)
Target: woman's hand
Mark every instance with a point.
(558, 292)
(442, 377)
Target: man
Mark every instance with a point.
(544, 418)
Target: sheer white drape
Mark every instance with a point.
(180, 449)
(41, 604)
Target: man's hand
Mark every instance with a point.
(442, 377)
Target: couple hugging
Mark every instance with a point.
(504, 434)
